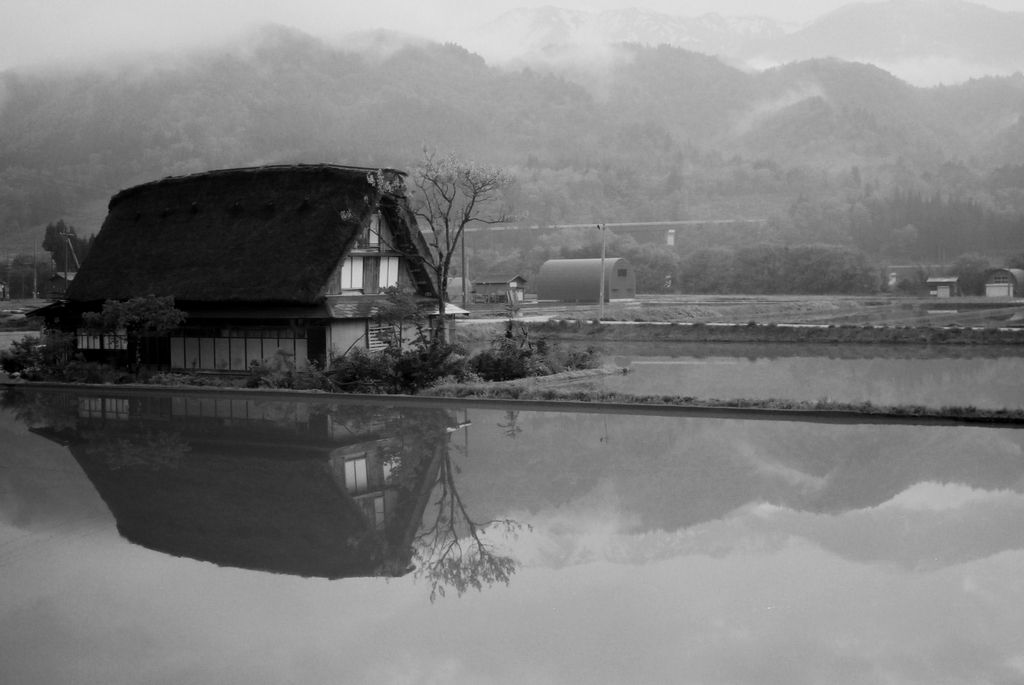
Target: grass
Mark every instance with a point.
(754, 332)
(504, 391)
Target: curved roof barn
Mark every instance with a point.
(578, 280)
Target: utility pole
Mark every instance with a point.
(35, 275)
(68, 234)
(67, 241)
(465, 276)
(600, 296)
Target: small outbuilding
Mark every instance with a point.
(57, 285)
(1004, 283)
(578, 280)
(499, 288)
(944, 286)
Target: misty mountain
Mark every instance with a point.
(652, 134)
(922, 41)
(908, 37)
(528, 30)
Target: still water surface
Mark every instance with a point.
(983, 377)
(166, 539)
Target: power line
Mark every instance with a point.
(625, 226)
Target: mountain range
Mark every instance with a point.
(652, 134)
(925, 42)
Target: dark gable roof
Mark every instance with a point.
(263, 234)
(490, 279)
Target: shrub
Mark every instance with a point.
(38, 358)
(280, 372)
(504, 363)
(78, 371)
(514, 355)
(427, 364)
(362, 371)
(399, 371)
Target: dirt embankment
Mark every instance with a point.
(773, 333)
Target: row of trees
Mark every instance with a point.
(732, 264)
(28, 275)
(779, 269)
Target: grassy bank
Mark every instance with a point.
(508, 391)
(772, 333)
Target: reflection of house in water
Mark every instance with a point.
(330, 490)
(363, 471)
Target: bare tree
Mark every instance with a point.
(449, 194)
(453, 550)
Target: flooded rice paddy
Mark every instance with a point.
(990, 378)
(166, 538)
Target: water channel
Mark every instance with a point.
(161, 538)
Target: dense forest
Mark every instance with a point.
(819, 153)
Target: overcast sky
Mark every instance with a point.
(45, 31)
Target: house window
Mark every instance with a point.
(622, 273)
(107, 341)
(351, 276)
(90, 407)
(355, 476)
(368, 274)
(87, 341)
(1001, 278)
(372, 236)
(116, 341)
(373, 509)
(103, 408)
(389, 272)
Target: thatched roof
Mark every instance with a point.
(266, 234)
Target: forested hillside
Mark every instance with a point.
(823, 151)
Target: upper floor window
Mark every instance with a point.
(373, 231)
(375, 234)
(366, 274)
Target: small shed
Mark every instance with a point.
(578, 280)
(1004, 283)
(944, 286)
(57, 285)
(499, 288)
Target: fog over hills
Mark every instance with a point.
(925, 42)
(646, 134)
(520, 32)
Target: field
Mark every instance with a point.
(799, 309)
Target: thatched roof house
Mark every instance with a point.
(289, 487)
(260, 259)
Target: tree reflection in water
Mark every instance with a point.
(451, 550)
(450, 560)
(327, 489)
